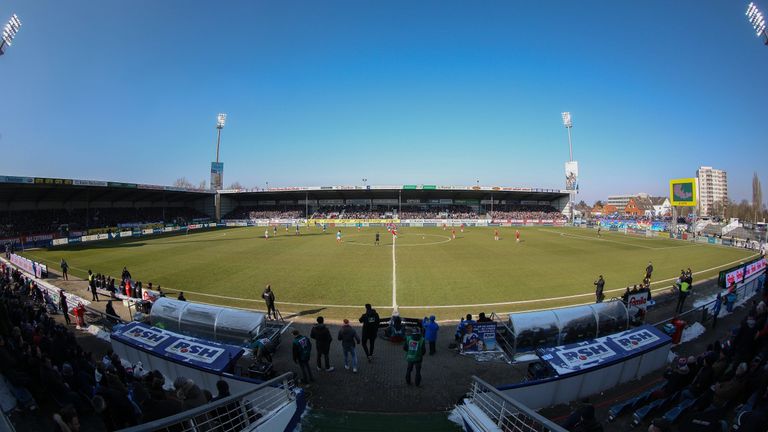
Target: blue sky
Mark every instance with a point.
(435, 92)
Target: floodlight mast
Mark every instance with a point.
(757, 20)
(220, 120)
(568, 123)
(9, 32)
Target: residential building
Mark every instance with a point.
(621, 201)
(713, 191)
(661, 206)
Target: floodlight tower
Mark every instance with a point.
(568, 123)
(9, 32)
(217, 168)
(571, 167)
(220, 120)
(755, 17)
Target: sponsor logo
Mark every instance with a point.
(195, 351)
(636, 340)
(578, 356)
(146, 336)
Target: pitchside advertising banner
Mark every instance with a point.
(197, 352)
(29, 266)
(568, 359)
(481, 338)
(738, 274)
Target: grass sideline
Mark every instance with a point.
(311, 274)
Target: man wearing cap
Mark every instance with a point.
(649, 271)
(430, 332)
(414, 353)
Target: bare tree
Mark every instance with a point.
(236, 185)
(203, 185)
(757, 197)
(598, 203)
(183, 183)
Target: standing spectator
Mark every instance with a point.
(92, 286)
(599, 285)
(370, 321)
(269, 298)
(181, 296)
(64, 269)
(323, 339)
(64, 306)
(730, 298)
(414, 353)
(685, 288)
(302, 349)
(716, 309)
(125, 275)
(349, 341)
(649, 271)
(430, 332)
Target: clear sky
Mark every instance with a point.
(398, 92)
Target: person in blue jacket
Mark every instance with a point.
(430, 332)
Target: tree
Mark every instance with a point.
(203, 185)
(598, 203)
(236, 185)
(757, 197)
(183, 183)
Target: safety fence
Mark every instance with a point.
(485, 403)
(246, 411)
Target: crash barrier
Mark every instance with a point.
(486, 408)
(528, 331)
(266, 406)
(570, 372)
(703, 312)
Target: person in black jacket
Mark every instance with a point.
(370, 321)
(323, 338)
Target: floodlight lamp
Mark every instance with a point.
(10, 29)
(567, 122)
(221, 119)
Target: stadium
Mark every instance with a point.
(366, 279)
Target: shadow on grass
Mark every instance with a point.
(304, 312)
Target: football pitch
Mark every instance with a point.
(424, 271)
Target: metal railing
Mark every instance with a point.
(244, 411)
(506, 413)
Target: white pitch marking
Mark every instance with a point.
(394, 274)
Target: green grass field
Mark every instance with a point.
(312, 274)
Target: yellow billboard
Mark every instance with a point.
(682, 192)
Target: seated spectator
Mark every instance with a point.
(483, 318)
(395, 332)
(188, 393)
(460, 328)
(66, 420)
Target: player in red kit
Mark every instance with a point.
(453, 233)
(496, 234)
(517, 236)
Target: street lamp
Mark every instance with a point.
(220, 120)
(755, 17)
(9, 32)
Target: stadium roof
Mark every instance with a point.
(59, 189)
